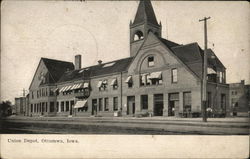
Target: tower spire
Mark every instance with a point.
(145, 13)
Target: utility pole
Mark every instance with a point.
(204, 79)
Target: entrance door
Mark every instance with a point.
(131, 105)
(158, 104)
(173, 104)
(94, 106)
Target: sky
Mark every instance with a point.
(100, 30)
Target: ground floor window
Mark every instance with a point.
(51, 107)
(62, 106)
(67, 106)
(46, 107)
(115, 103)
(106, 104)
(144, 101)
(100, 104)
(31, 108)
(57, 106)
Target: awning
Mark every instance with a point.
(66, 88)
(73, 87)
(86, 85)
(79, 85)
(80, 104)
(62, 89)
(99, 84)
(129, 79)
(56, 89)
(155, 75)
(113, 82)
(210, 71)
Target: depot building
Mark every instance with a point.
(160, 78)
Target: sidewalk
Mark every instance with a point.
(155, 118)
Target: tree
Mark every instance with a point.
(5, 109)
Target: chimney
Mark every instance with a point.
(78, 62)
(99, 62)
(242, 82)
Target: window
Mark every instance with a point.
(209, 99)
(34, 108)
(31, 108)
(106, 104)
(51, 106)
(114, 84)
(57, 106)
(67, 106)
(100, 104)
(115, 103)
(102, 85)
(174, 75)
(154, 78)
(129, 81)
(62, 106)
(46, 107)
(151, 61)
(37, 94)
(51, 92)
(144, 101)
(187, 102)
(221, 78)
(130, 85)
(46, 92)
(32, 93)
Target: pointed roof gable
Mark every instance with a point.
(145, 12)
(57, 68)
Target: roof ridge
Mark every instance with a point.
(184, 45)
(44, 58)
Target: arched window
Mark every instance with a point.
(138, 36)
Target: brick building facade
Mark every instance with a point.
(160, 78)
(239, 98)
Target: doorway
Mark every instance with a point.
(94, 107)
(131, 105)
(173, 104)
(158, 104)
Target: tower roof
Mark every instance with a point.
(145, 13)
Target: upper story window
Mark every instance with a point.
(154, 78)
(114, 84)
(102, 85)
(32, 93)
(174, 75)
(129, 81)
(151, 61)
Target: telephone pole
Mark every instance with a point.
(204, 79)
